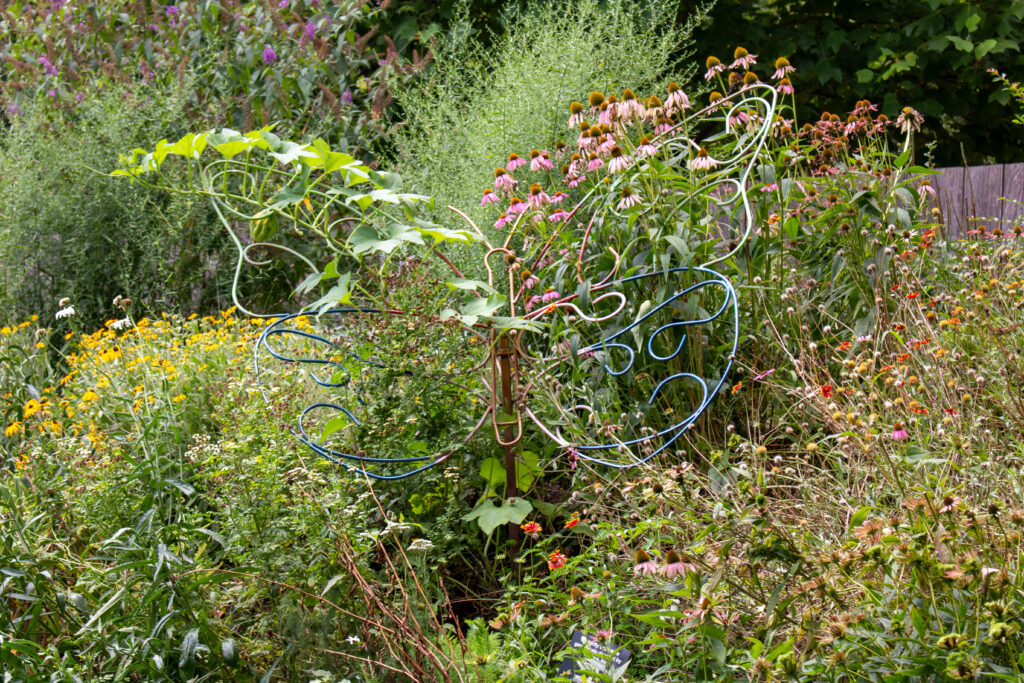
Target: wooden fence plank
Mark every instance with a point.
(983, 185)
(949, 190)
(1013, 188)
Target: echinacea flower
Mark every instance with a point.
(549, 295)
(504, 182)
(898, 432)
(606, 143)
(606, 112)
(909, 120)
(574, 180)
(714, 66)
(558, 197)
(556, 560)
(677, 99)
(703, 161)
(540, 161)
(782, 68)
(532, 302)
(531, 281)
(595, 100)
(575, 114)
(559, 216)
(646, 149)
(514, 162)
(643, 564)
(595, 162)
(630, 106)
(619, 160)
(664, 127)
(742, 59)
(516, 205)
(629, 199)
(65, 312)
(674, 565)
(502, 220)
(538, 197)
(784, 87)
(489, 197)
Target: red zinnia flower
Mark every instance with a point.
(572, 522)
(556, 560)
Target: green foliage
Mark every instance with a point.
(67, 230)
(480, 103)
(928, 54)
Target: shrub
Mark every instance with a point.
(67, 230)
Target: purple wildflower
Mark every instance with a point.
(269, 56)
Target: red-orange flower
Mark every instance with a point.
(826, 390)
(530, 528)
(556, 560)
(572, 522)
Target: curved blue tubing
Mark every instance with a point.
(350, 460)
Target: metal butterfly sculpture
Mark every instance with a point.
(628, 345)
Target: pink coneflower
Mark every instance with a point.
(549, 295)
(489, 197)
(619, 160)
(703, 161)
(531, 282)
(714, 66)
(561, 149)
(595, 162)
(643, 564)
(677, 99)
(532, 303)
(516, 205)
(540, 161)
(514, 162)
(898, 432)
(585, 141)
(646, 149)
(574, 180)
(630, 106)
(607, 112)
(504, 182)
(575, 114)
(629, 198)
(910, 120)
(558, 216)
(559, 197)
(925, 190)
(655, 109)
(742, 59)
(665, 125)
(502, 220)
(538, 197)
(675, 566)
(782, 68)
(785, 87)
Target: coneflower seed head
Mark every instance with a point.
(781, 63)
(712, 61)
(739, 53)
(641, 556)
(596, 99)
(575, 108)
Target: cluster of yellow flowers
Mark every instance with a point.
(117, 376)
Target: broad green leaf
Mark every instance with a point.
(493, 472)
(366, 238)
(490, 516)
(470, 285)
(445, 235)
(292, 152)
(333, 425)
(481, 306)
